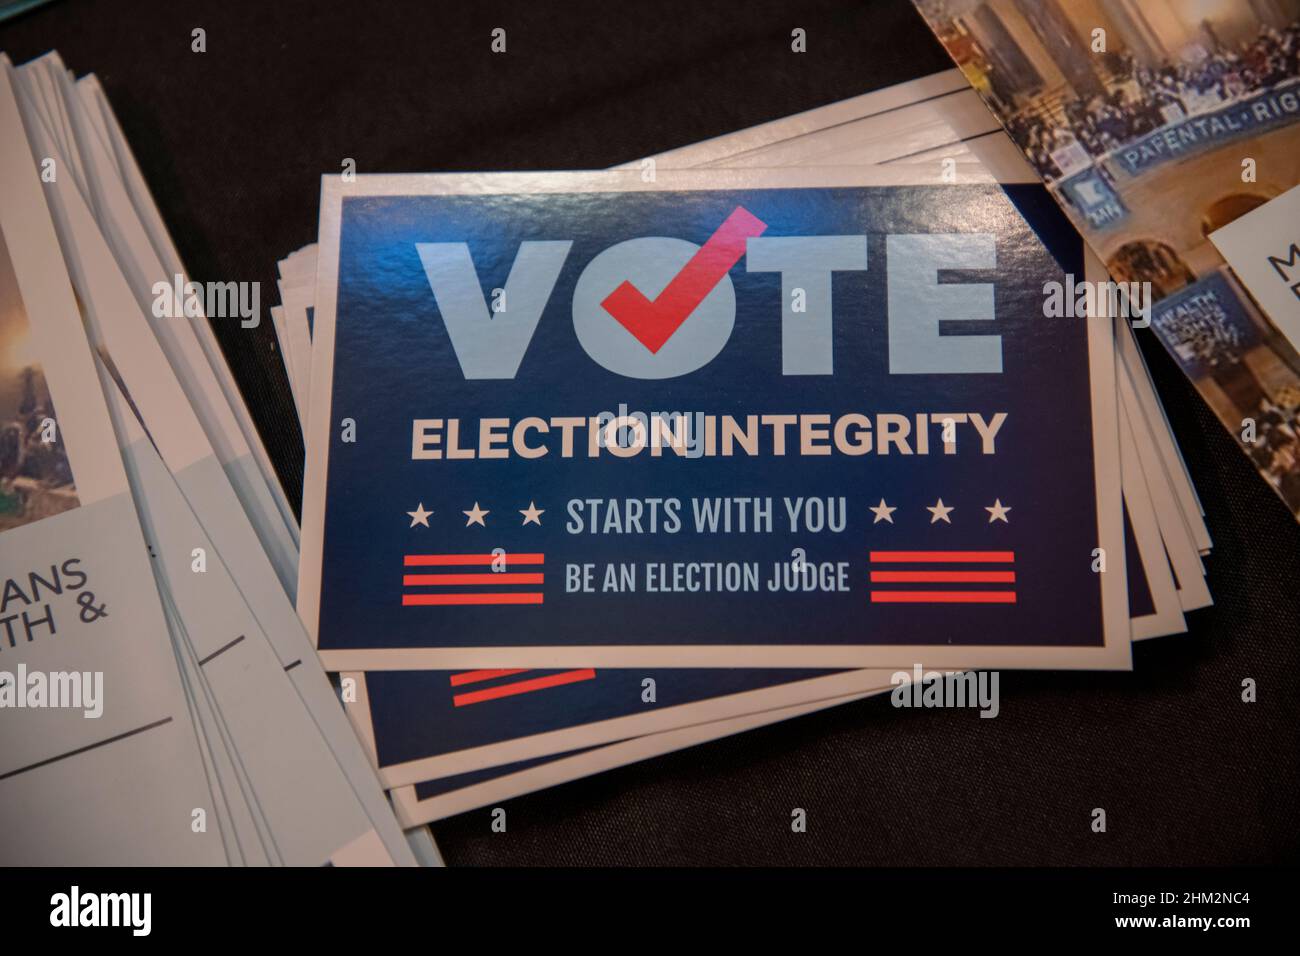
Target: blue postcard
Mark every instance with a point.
(725, 418)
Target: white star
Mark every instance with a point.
(939, 512)
(882, 512)
(475, 516)
(532, 513)
(998, 512)
(419, 515)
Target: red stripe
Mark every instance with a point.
(527, 597)
(962, 557)
(441, 560)
(943, 597)
(971, 577)
(416, 580)
(522, 687)
(474, 677)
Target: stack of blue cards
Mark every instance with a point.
(604, 464)
(600, 465)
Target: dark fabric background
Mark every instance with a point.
(233, 142)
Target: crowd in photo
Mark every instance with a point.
(1141, 99)
(1276, 449)
(35, 476)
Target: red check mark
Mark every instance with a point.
(653, 323)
